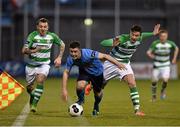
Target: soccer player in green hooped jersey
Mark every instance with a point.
(38, 48)
(124, 47)
(159, 51)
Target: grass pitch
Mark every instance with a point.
(115, 109)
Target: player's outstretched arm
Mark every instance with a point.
(156, 31)
(110, 42)
(57, 61)
(175, 55)
(103, 57)
(64, 85)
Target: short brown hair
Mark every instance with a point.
(136, 28)
(74, 44)
(163, 31)
(44, 20)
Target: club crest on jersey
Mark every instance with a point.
(93, 54)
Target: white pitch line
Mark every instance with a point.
(20, 120)
(82, 120)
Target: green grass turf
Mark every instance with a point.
(115, 109)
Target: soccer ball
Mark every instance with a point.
(75, 110)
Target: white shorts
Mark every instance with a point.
(111, 71)
(31, 72)
(158, 73)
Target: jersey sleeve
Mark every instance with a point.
(30, 40)
(124, 38)
(173, 44)
(146, 35)
(91, 54)
(152, 47)
(69, 64)
(56, 39)
(109, 42)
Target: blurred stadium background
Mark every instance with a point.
(67, 19)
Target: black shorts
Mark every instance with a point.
(96, 81)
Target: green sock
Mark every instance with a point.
(164, 85)
(135, 98)
(154, 88)
(37, 94)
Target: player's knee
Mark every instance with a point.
(98, 93)
(29, 88)
(132, 83)
(40, 79)
(81, 85)
(165, 80)
(155, 79)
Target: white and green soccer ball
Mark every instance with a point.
(75, 110)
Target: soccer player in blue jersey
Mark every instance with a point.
(90, 70)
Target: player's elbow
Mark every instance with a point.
(63, 45)
(148, 53)
(105, 56)
(177, 49)
(23, 50)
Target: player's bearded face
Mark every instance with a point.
(42, 27)
(134, 36)
(75, 53)
(163, 37)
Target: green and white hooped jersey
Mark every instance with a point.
(43, 56)
(124, 51)
(162, 52)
